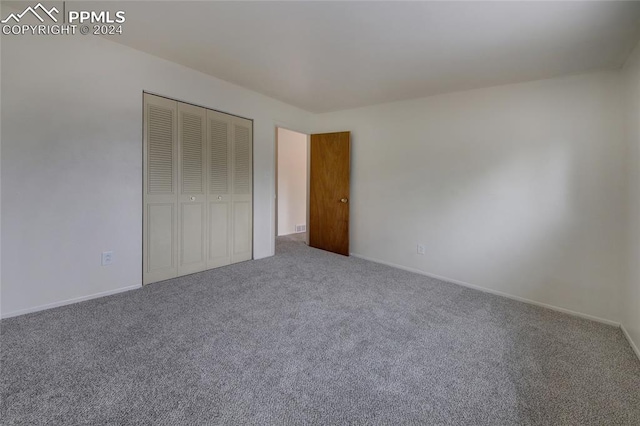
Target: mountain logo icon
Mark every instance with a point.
(34, 11)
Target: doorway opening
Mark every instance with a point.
(292, 189)
(312, 188)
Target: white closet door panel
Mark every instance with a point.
(219, 132)
(242, 194)
(241, 157)
(159, 189)
(192, 152)
(242, 231)
(192, 216)
(161, 149)
(219, 225)
(161, 240)
(219, 143)
(192, 237)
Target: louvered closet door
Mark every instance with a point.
(242, 190)
(160, 181)
(192, 189)
(219, 199)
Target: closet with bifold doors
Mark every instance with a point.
(197, 189)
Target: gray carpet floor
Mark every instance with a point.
(309, 337)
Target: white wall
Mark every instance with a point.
(72, 162)
(517, 189)
(292, 180)
(631, 293)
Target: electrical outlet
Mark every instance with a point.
(107, 258)
(421, 249)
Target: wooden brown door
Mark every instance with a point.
(329, 192)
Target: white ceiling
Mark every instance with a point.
(326, 56)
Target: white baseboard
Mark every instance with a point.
(488, 290)
(68, 301)
(631, 342)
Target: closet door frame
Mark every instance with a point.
(148, 279)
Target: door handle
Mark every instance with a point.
(344, 200)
